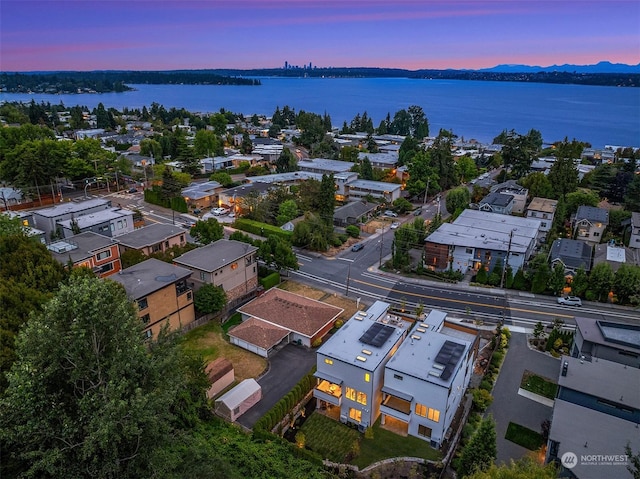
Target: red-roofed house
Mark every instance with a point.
(279, 316)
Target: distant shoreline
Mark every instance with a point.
(116, 81)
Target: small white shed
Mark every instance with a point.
(239, 400)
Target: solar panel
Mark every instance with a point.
(377, 334)
(449, 356)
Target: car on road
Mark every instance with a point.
(395, 225)
(132, 190)
(417, 212)
(391, 214)
(232, 214)
(357, 247)
(569, 301)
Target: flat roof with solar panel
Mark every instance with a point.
(367, 338)
(377, 334)
(428, 354)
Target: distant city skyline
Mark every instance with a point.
(38, 35)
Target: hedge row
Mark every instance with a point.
(260, 435)
(262, 229)
(270, 281)
(154, 196)
(287, 403)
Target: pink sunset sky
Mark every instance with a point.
(165, 35)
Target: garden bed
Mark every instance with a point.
(329, 438)
(523, 436)
(538, 385)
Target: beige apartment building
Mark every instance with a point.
(161, 293)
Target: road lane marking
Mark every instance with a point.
(496, 306)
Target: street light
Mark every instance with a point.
(348, 273)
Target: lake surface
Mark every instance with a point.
(472, 109)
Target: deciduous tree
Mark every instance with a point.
(210, 299)
(208, 231)
(86, 396)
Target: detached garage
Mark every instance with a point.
(239, 400)
(279, 314)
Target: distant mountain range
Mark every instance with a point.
(601, 67)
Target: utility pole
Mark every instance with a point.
(381, 247)
(348, 273)
(426, 192)
(506, 261)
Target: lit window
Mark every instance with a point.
(328, 361)
(421, 410)
(355, 414)
(234, 266)
(351, 394)
(361, 398)
(434, 415)
(367, 377)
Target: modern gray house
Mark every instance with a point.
(617, 342)
(47, 219)
(596, 414)
(350, 365)
(479, 238)
(426, 379)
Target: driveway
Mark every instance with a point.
(286, 368)
(508, 406)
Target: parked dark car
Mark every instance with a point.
(133, 190)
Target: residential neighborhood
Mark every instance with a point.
(357, 305)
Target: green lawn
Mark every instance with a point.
(334, 441)
(387, 444)
(234, 320)
(524, 436)
(329, 438)
(539, 385)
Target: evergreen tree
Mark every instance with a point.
(480, 452)
(520, 281)
(327, 200)
(366, 170)
(286, 162)
(563, 174)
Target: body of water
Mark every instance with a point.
(471, 109)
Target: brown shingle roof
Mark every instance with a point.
(259, 333)
(291, 311)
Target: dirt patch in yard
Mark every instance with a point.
(302, 290)
(209, 341)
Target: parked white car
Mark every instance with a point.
(570, 301)
(219, 211)
(395, 225)
(391, 214)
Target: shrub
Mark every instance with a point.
(482, 399)
(316, 343)
(368, 433)
(353, 231)
(262, 229)
(336, 242)
(338, 323)
(270, 281)
(486, 385)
